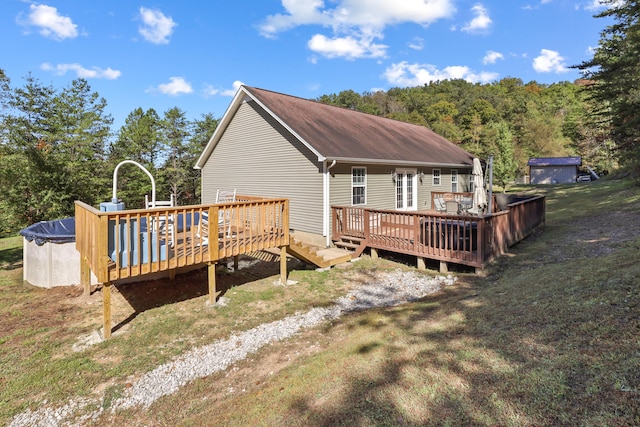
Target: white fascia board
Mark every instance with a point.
(398, 162)
(222, 125)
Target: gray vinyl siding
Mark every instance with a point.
(381, 190)
(258, 156)
(380, 187)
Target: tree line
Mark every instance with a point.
(57, 146)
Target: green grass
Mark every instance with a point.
(548, 336)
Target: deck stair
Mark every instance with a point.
(317, 255)
(352, 243)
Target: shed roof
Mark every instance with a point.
(335, 133)
(555, 161)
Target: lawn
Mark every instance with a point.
(549, 335)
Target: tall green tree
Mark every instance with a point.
(504, 162)
(175, 173)
(614, 72)
(52, 144)
(83, 130)
(202, 130)
(140, 140)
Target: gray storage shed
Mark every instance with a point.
(554, 170)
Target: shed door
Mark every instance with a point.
(406, 190)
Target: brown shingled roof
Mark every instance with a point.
(340, 133)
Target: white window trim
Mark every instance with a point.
(434, 177)
(360, 185)
(454, 173)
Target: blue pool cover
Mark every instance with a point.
(57, 231)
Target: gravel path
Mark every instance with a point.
(392, 288)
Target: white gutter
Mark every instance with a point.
(326, 199)
(405, 163)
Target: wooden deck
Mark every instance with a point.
(128, 244)
(132, 243)
(460, 239)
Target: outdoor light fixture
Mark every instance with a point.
(421, 174)
(394, 176)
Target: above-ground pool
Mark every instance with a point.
(49, 254)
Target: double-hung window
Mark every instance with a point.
(358, 186)
(454, 181)
(437, 178)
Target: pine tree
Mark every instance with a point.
(614, 77)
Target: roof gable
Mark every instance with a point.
(336, 133)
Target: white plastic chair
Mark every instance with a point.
(224, 217)
(438, 204)
(452, 207)
(163, 223)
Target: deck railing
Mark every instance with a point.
(462, 239)
(123, 244)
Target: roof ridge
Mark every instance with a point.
(346, 109)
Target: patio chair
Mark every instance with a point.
(452, 207)
(163, 223)
(466, 203)
(224, 217)
(439, 205)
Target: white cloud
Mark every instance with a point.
(156, 27)
(404, 74)
(82, 72)
(232, 92)
(595, 5)
(51, 24)
(417, 43)
(346, 47)
(356, 13)
(491, 57)
(355, 24)
(209, 90)
(176, 86)
(549, 61)
(481, 22)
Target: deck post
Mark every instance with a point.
(172, 274)
(374, 253)
(85, 275)
(212, 282)
(443, 267)
(236, 261)
(422, 266)
(106, 310)
(283, 265)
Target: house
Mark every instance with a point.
(275, 145)
(554, 170)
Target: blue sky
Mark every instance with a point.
(193, 54)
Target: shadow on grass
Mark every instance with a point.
(11, 258)
(491, 355)
(548, 338)
(143, 296)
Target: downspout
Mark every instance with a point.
(327, 200)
